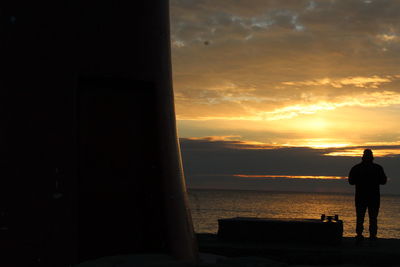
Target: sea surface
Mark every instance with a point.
(208, 206)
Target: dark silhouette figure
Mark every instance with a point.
(367, 176)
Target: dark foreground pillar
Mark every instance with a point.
(90, 162)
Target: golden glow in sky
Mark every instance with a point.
(287, 73)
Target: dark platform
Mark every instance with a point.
(382, 253)
(280, 230)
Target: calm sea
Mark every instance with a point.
(208, 206)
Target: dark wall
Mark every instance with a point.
(90, 162)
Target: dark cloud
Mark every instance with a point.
(212, 163)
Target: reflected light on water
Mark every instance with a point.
(291, 176)
(357, 152)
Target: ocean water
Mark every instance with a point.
(208, 206)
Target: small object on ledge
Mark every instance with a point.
(329, 218)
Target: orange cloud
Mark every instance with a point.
(374, 99)
(357, 81)
(356, 152)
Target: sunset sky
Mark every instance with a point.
(317, 79)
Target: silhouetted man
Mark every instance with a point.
(367, 176)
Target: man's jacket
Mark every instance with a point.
(367, 176)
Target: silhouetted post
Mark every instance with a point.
(90, 158)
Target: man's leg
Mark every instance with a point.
(360, 211)
(373, 210)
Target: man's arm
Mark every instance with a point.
(382, 176)
(352, 177)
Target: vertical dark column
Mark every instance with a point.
(179, 222)
(38, 134)
(90, 159)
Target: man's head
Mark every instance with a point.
(368, 156)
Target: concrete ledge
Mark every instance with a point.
(245, 229)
